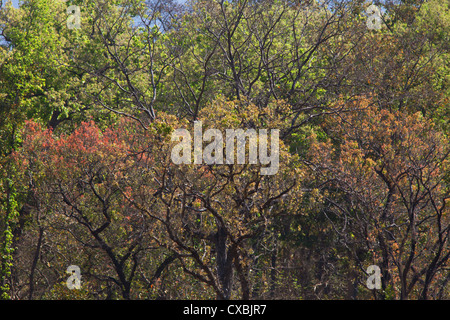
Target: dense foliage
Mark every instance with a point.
(87, 179)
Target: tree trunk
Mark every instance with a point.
(224, 266)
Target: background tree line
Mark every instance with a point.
(86, 176)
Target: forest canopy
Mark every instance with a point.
(91, 93)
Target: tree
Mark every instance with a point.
(383, 180)
(79, 185)
(87, 177)
(212, 213)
